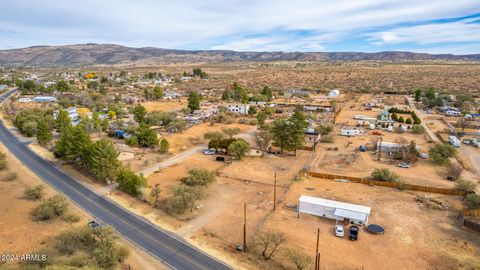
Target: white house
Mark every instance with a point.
(350, 131)
(354, 213)
(238, 108)
(452, 113)
(45, 99)
(24, 99)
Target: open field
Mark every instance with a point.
(416, 237)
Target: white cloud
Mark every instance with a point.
(460, 31)
(216, 24)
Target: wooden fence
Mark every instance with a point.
(365, 181)
(471, 224)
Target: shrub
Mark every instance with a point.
(71, 218)
(130, 182)
(184, 198)
(199, 177)
(440, 153)
(3, 162)
(324, 129)
(34, 193)
(384, 174)
(53, 207)
(72, 240)
(418, 129)
(464, 185)
(164, 146)
(10, 177)
(472, 201)
(327, 139)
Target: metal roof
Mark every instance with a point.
(335, 204)
(350, 214)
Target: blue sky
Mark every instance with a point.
(433, 26)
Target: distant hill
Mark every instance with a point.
(110, 54)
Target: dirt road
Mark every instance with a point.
(173, 160)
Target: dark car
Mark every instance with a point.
(93, 224)
(353, 234)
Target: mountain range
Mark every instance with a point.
(111, 54)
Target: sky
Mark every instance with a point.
(432, 26)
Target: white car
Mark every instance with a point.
(339, 231)
(424, 155)
(209, 152)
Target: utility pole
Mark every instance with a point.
(275, 192)
(380, 148)
(317, 252)
(245, 227)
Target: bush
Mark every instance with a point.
(3, 162)
(184, 198)
(440, 153)
(384, 174)
(34, 193)
(199, 177)
(130, 182)
(53, 207)
(324, 129)
(327, 139)
(10, 177)
(72, 240)
(164, 146)
(71, 218)
(472, 201)
(464, 185)
(418, 129)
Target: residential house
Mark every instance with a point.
(238, 108)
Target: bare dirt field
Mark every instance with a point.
(416, 237)
(165, 105)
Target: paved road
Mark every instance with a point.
(166, 247)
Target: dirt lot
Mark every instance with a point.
(416, 237)
(165, 105)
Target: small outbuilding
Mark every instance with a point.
(354, 213)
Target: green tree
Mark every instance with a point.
(103, 162)
(130, 182)
(146, 136)
(263, 138)
(252, 111)
(74, 145)
(226, 95)
(184, 198)
(44, 135)
(401, 120)
(418, 95)
(62, 121)
(239, 148)
(231, 131)
(193, 101)
(261, 117)
(177, 125)
(408, 121)
(164, 146)
(266, 91)
(139, 113)
(63, 86)
(324, 129)
(239, 93)
(440, 153)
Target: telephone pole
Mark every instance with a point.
(275, 192)
(317, 252)
(380, 148)
(245, 227)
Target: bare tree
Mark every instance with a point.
(454, 170)
(299, 258)
(263, 139)
(270, 243)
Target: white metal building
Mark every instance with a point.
(354, 213)
(350, 131)
(238, 108)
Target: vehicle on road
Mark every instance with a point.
(353, 234)
(209, 152)
(339, 231)
(404, 165)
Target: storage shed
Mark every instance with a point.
(354, 213)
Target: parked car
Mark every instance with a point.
(353, 234)
(404, 165)
(339, 231)
(221, 152)
(209, 152)
(362, 148)
(93, 224)
(424, 155)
